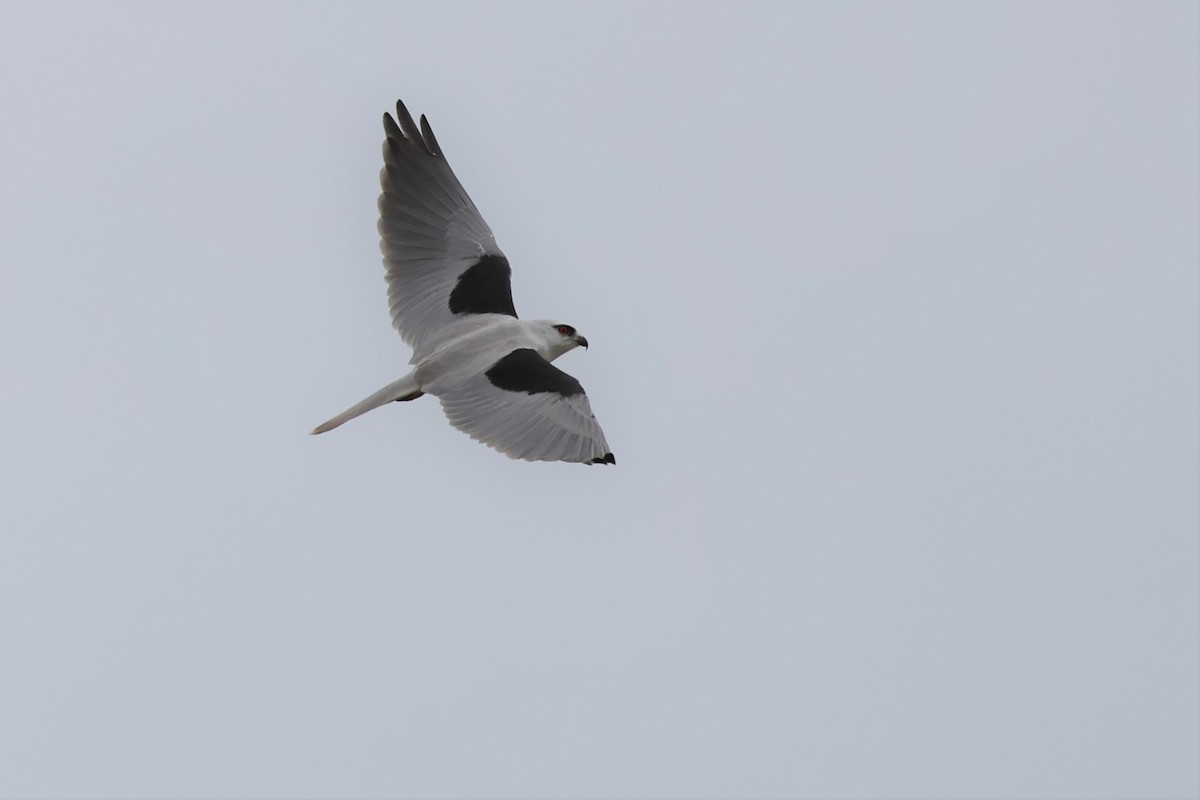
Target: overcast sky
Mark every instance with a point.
(894, 333)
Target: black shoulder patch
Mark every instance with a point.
(484, 288)
(526, 371)
(609, 458)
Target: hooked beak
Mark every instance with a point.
(582, 341)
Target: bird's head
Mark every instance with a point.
(560, 338)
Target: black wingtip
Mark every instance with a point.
(608, 458)
(390, 128)
(431, 142)
(402, 110)
(407, 126)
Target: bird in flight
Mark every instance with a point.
(451, 301)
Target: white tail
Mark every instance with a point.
(403, 389)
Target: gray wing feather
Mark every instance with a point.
(543, 426)
(430, 231)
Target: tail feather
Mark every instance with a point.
(403, 389)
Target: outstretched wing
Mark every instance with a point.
(527, 408)
(441, 258)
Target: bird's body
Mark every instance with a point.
(449, 292)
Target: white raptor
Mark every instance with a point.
(451, 301)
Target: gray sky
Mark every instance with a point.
(893, 312)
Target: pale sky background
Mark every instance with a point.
(893, 312)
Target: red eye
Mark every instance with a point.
(566, 330)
